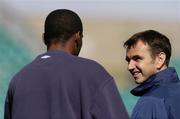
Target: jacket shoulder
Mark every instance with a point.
(149, 107)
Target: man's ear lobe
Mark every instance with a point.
(161, 57)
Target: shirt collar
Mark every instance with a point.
(166, 76)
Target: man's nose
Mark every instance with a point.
(131, 65)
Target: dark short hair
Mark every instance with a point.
(157, 42)
(60, 25)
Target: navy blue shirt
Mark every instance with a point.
(160, 96)
(58, 85)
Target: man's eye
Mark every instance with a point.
(127, 60)
(136, 58)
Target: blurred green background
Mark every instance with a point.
(107, 24)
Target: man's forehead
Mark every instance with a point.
(139, 45)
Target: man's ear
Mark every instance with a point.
(77, 35)
(161, 57)
(77, 38)
(43, 38)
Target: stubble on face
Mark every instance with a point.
(140, 62)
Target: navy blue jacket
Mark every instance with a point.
(58, 85)
(160, 96)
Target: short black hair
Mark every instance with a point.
(157, 42)
(60, 25)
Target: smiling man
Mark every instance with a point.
(148, 54)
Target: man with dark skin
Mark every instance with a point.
(60, 85)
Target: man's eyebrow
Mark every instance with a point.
(133, 57)
(136, 57)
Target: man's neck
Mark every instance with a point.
(162, 68)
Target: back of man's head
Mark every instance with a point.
(60, 25)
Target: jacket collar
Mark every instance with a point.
(163, 77)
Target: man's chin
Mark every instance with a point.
(138, 81)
